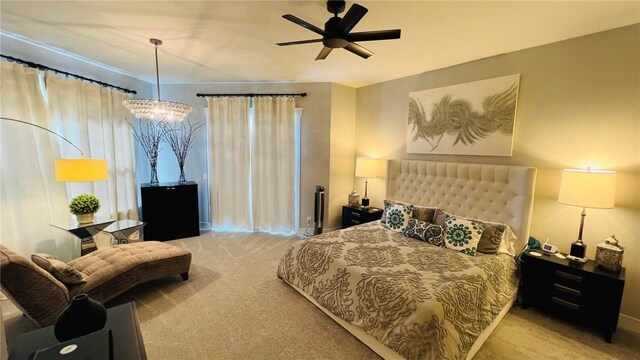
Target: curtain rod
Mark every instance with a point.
(43, 67)
(249, 95)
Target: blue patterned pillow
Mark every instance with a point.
(462, 234)
(397, 216)
(421, 230)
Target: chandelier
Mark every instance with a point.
(146, 109)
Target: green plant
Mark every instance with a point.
(84, 204)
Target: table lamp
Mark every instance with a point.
(368, 168)
(588, 189)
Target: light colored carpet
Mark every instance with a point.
(233, 306)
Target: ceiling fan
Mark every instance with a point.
(336, 33)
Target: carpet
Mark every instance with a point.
(233, 306)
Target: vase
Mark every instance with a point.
(83, 316)
(84, 218)
(182, 177)
(154, 173)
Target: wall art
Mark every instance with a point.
(475, 118)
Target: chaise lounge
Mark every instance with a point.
(106, 273)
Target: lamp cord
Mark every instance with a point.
(43, 128)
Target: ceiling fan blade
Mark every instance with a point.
(299, 42)
(324, 53)
(352, 17)
(304, 24)
(358, 50)
(374, 35)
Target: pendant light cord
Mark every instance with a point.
(157, 42)
(157, 71)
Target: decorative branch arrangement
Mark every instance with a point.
(150, 134)
(180, 136)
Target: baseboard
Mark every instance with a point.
(629, 323)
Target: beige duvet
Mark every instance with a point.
(423, 301)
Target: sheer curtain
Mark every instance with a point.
(29, 195)
(273, 164)
(92, 118)
(229, 163)
(252, 163)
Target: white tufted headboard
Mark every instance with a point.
(497, 193)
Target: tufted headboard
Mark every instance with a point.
(497, 193)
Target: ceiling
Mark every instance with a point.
(234, 41)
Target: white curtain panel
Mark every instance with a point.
(29, 197)
(229, 163)
(273, 164)
(93, 118)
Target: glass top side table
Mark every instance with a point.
(84, 231)
(122, 229)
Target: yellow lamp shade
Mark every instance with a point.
(369, 168)
(588, 188)
(81, 169)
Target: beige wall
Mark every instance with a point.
(342, 167)
(579, 105)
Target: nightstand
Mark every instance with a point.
(359, 215)
(575, 291)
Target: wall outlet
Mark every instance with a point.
(308, 220)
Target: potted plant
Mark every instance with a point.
(83, 207)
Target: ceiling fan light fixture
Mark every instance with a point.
(337, 31)
(146, 109)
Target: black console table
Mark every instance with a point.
(170, 210)
(122, 320)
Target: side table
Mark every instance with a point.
(85, 231)
(579, 292)
(122, 229)
(122, 320)
(352, 215)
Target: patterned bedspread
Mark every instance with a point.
(423, 301)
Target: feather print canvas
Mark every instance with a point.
(475, 118)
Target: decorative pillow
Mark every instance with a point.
(491, 238)
(422, 213)
(462, 235)
(425, 231)
(59, 269)
(398, 216)
(496, 238)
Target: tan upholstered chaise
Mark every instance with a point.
(108, 273)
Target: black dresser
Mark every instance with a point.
(170, 210)
(579, 292)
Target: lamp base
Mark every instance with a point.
(578, 249)
(365, 201)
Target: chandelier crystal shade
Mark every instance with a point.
(146, 109)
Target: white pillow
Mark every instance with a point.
(508, 240)
(462, 235)
(397, 216)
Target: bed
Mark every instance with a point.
(405, 298)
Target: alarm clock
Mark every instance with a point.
(548, 248)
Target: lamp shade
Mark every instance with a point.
(81, 169)
(368, 168)
(588, 188)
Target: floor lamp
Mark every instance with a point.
(588, 189)
(83, 169)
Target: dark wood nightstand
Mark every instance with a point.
(359, 215)
(576, 291)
